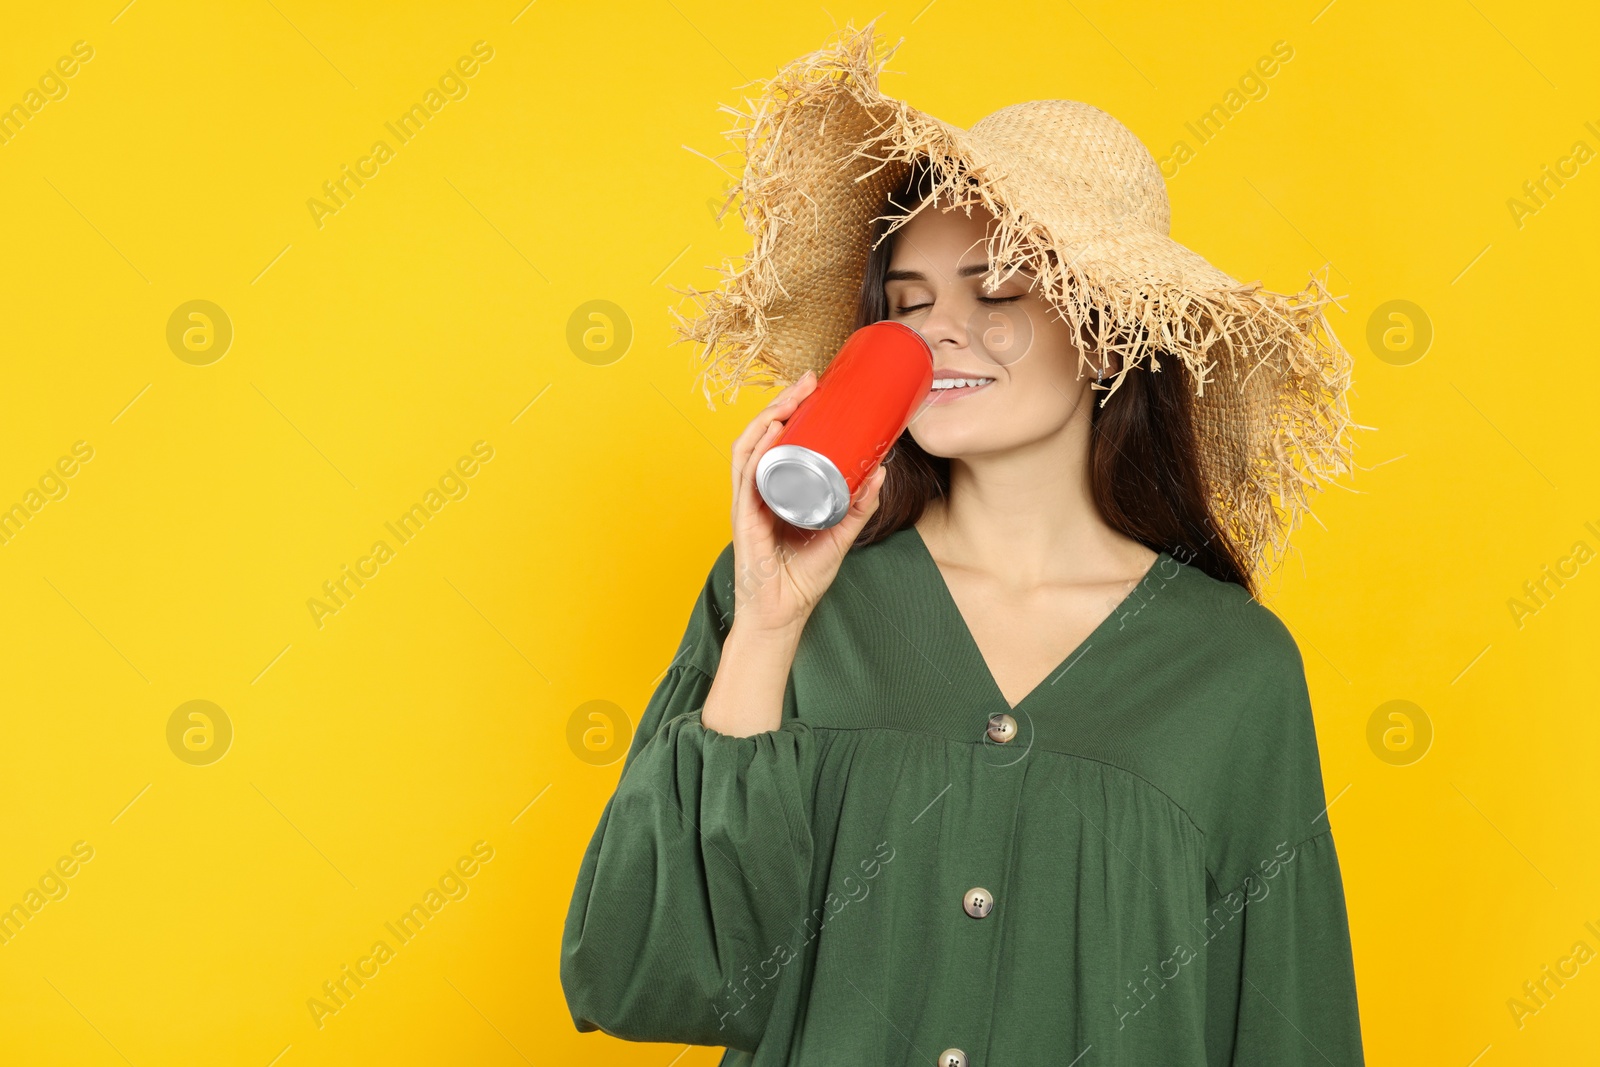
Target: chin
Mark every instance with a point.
(959, 442)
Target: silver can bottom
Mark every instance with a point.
(802, 487)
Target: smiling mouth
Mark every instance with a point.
(945, 390)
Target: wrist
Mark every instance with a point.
(780, 638)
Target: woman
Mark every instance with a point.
(1008, 767)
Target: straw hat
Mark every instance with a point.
(1080, 202)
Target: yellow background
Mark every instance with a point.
(432, 711)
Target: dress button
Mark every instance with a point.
(1002, 728)
(952, 1057)
(978, 902)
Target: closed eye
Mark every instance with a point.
(991, 300)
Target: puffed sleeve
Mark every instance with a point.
(1280, 972)
(1296, 988)
(697, 876)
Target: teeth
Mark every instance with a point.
(959, 383)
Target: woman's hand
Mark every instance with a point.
(781, 571)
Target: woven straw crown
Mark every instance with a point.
(1080, 202)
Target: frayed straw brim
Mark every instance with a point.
(1080, 202)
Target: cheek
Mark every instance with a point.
(1043, 388)
(1051, 359)
(1041, 397)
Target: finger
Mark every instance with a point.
(786, 401)
(754, 431)
(862, 507)
(789, 397)
(870, 492)
(757, 529)
(760, 428)
(746, 497)
(753, 461)
(781, 408)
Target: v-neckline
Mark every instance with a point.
(959, 623)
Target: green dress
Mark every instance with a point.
(1137, 869)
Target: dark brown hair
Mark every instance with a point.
(1144, 463)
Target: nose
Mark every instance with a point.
(945, 328)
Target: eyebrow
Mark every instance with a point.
(918, 276)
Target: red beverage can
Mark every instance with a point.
(840, 433)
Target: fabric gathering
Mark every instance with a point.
(1152, 834)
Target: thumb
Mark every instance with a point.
(862, 508)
